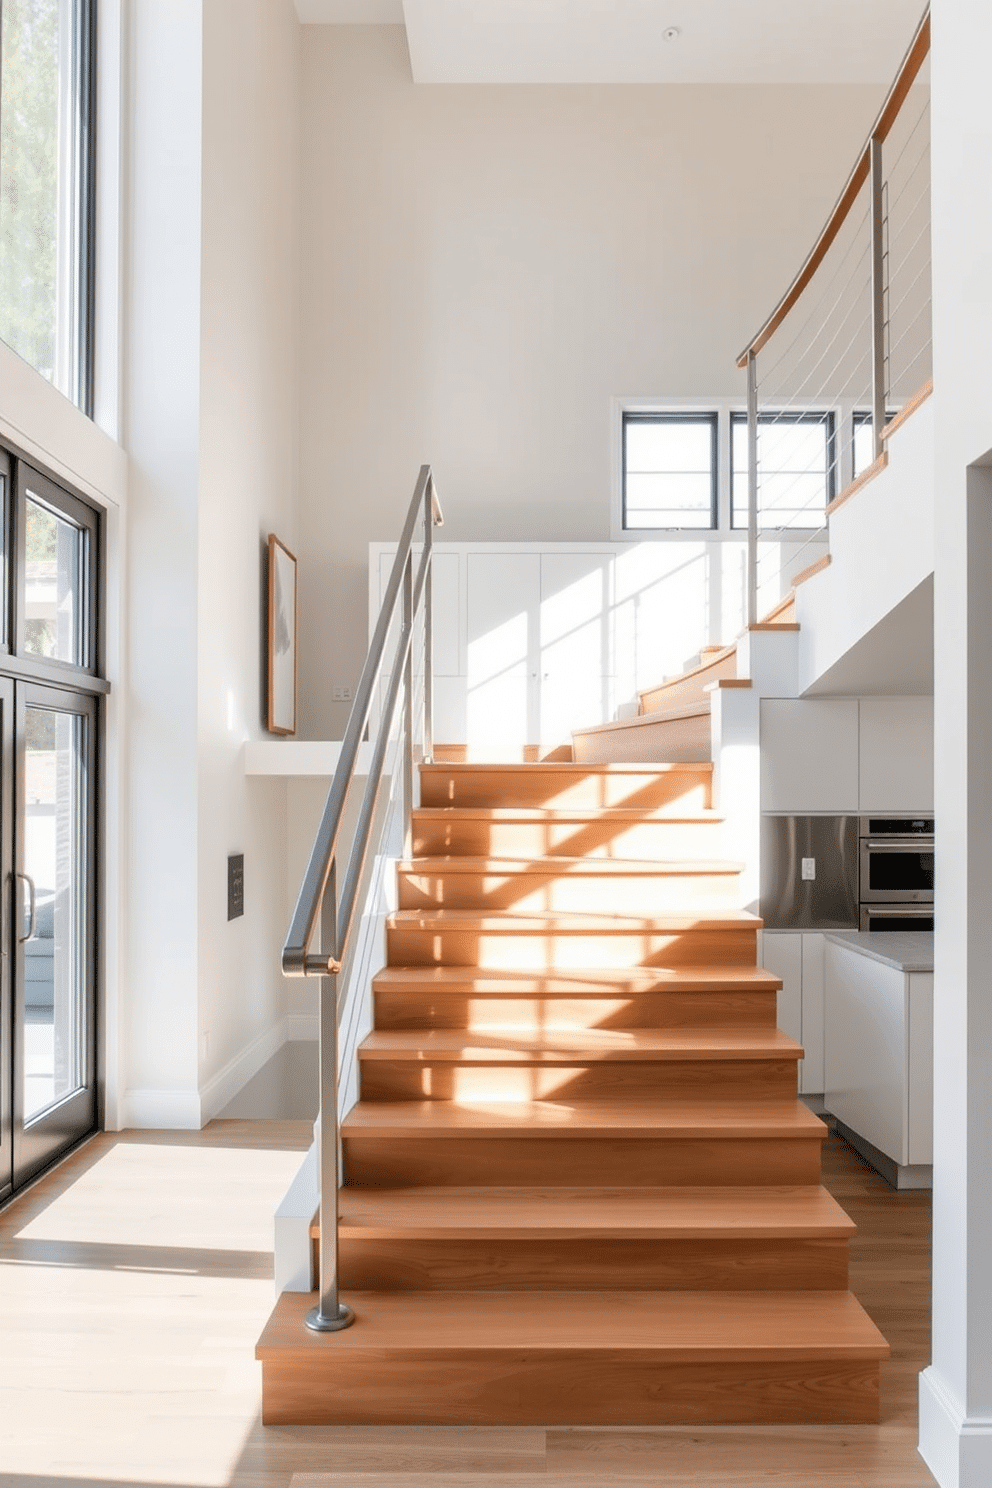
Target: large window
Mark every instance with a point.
(46, 195)
(669, 471)
(797, 465)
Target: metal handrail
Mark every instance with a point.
(867, 169)
(318, 906)
(919, 50)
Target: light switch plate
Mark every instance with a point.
(809, 867)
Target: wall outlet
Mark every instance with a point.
(341, 694)
(809, 867)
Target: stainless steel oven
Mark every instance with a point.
(896, 872)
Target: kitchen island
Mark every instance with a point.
(878, 1048)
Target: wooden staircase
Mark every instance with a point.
(579, 1186)
(673, 718)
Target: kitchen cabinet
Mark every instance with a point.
(809, 755)
(797, 957)
(896, 754)
(879, 1048)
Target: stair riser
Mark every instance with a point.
(691, 689)
(560, 1264)
(397, 1080)
(674, 739)
(536, 1387)
(542, 950)
(688, 789)
(598, 1161)
(745, 1010)
(653, 840)
(585, 893)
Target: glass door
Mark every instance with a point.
(7, 1039)
(54, 1073)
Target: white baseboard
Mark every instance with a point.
(161, 1110)
(226, 1084)
(302, 1027)
(958, 1451)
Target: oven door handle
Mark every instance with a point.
(922, 844)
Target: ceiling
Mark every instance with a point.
(624, 41)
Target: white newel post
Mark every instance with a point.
(956, 1391)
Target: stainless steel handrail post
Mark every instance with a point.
(318, 903)
(429, 624)
(876, 187)
(331, 1314)
(408, 704)
(752, 479)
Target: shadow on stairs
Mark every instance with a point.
(579, 1185)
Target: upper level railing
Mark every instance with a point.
(846, 347)
(322, 915)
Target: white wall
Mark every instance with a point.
(210, 426)
(485, 267)
(247, 488)
(956, 1392)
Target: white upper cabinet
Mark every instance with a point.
(897, 754)
(809, 754)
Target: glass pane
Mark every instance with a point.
(41, 178)
(793, 465)
(54, 954)
(668, 472)
(864, 445)
(54, 599)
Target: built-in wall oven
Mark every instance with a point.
(896, 872)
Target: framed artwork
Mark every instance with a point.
(282, 638)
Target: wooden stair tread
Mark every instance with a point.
(592, 982)
(536, 1213)
(585, 867)
(559, 922)
(676, 1117)
(566, 768)
(622, 815)
(550, 1046)
(672, 1327)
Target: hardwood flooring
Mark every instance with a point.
(135, 1279)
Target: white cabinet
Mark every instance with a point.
(896, 754)
(809, 754)
(797, 957)
(879, 1057)
(525, 640)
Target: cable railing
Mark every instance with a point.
(847, 346)
(324, 917)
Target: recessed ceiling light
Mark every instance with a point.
(671, 33)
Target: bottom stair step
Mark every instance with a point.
(526, 1358)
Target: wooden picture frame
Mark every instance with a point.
(282, 638)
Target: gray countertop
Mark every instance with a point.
(906, 950)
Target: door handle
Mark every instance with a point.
(32, 906)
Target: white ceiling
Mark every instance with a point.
(623, 41)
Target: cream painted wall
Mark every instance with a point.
(484, 268)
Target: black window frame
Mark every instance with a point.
(670, 417)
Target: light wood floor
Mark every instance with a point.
(135, 1280)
